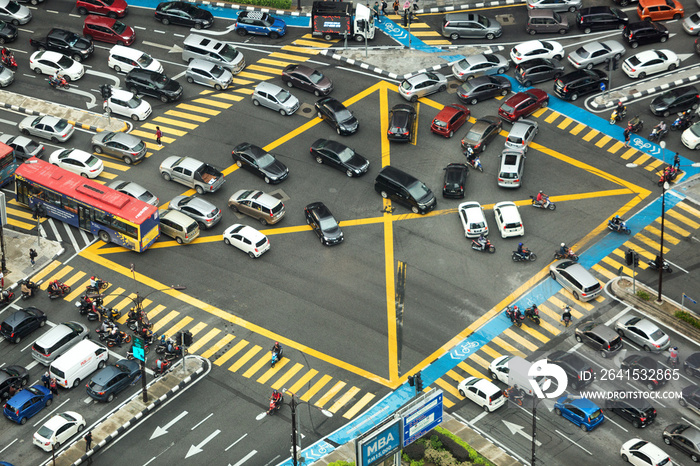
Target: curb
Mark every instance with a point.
(643, 93)
(469, 6)
(74, 123)
(206, 366)
(234, 6)
(374, 69)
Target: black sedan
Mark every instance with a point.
(580, 82)
(308, 79)
(263, 164)
(323, 223)
(691, 398)
(402, 119)
(8, 32)
(111, 380)
(184, 14)
(638, 411)
(16, 376)
(691, 365)
(538, 70)
(337, 115)
(648, 371)
(678, 99)
(482, 88)
(339, 156)
(455, 180)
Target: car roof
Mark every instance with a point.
(129, 186)
(249, 232)
(470, 206)
(586, 405)
(484, 385)
(200, 64)
(100, 20)
(261, 197)
(520, 127)
(462, 17)
(48, 120)
(187, 162)
(175, 216)
(646, 325)
(332, 103)
(196, 202)
(267, 87)
(122, 94)
(49, 55)
(449, 110)
(320, 209)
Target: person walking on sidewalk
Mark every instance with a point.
(384, 6)
(677, 161)
(375, 11)
(396, 7)
(32, 256)
(88, 440)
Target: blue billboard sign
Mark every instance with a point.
(380, 445)
(421, 420)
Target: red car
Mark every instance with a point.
(109, 30)
(523, 104)
(111, 8)
(449, 120)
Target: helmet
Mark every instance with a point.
(540, 192)
(520, 244)
(277, 343)
(516, 308)
(92, 278)
(274, 392)
(617, 216)
(563, 244)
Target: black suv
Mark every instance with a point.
(644, 32)
(403, 188)
(691, 365)
(153, 84)
(578, 371)
(66, 42)
(638, 411)
(580, 82)
(678, 99)
(600, 18)
(22, 323)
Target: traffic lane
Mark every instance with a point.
(209, 408)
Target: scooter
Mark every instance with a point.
(547, 204)
(620, 227)
(61, 290)
(6, 296)
(275, 406)
(112, 340)
(104, 334)
(617, 116)
(654, 266)
(658, 134)
(110, 313)
(276, 356)
(475, 163)
(683, 122)
(101, 285)
(33, 288)
(533, 314)
(488, 247)
(58, 83)
(669, 174)
(164, 367)
(524, 256)
(571, 255)
(516, 319)
(9, 62)
(635, 125)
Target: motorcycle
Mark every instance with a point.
(635, 125)
(276, 356)
(110, 313)
(654, 266)
(164, 367)
(566, 321)
(33, 288)
(60, 291)
(670, 174)
(275, 406)
(58, 83)
(524, 256)
(475, 162)
(621, 227)
(533, 314)
(682, 123)
(9, 62)
(112, 340)
(547, 204)
(488, 247)
(657, 134)
(6, 296)
(674, 361)
(101, 285)
(85, 308)
(617, 116)
(516, 319)
(104, 334)
(570, 254)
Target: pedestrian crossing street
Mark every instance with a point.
(682, 221)
(176, 123)
(237, 355)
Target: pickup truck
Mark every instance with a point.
(66, 42)
(204, 178)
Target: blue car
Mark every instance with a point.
(27, 403)
(260, 24)
(111, 380)
(581, 411)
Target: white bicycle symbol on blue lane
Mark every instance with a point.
(647, 147)
(395, 30)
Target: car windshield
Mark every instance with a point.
(61, 125)
(64, 62)
(93, 161)
(657, 335)
(328, 223)
(343, 115)
(283, 95)
(316, 77)
(440, 123)
(418, 190)
(346, 154)
(133, 102)
(406, 86)
(44, 432)
(31, 146)
(261, 242)
(217, 71)
(266, 160)
(228, 53)
(187, 200)
(72, 39)
(582, 52)
(634, 61)
(119, 27)
(484, 21)
(145, 60)
(557, 17)
(695, 129)
(668, 98)
(595, 415)
(507, 108)
(472, 136)
(161, 80)
(12, 7)
(108, 2)
(145, 196)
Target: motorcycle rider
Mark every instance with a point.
(620, 109)
(522, 250)
(542, 199)
(633, 124)
(566, 316)
(533, 310)
(482, 241)
(26, 291)
(660, 128)
(277, 349)
(672, 354)
(276, 398)
(5, 296)
(107, 326)
(563, 250)
(617, 222)
(53, 287)
(517, 315)
(162, 365)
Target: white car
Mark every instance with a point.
(247, 239)
(638, 452)
(691, 136)
(77, 161)
(536, 49)
(482, 392)
(127, 104)
(508, 219)
(650, 62)
(48, 62)
(58, 430)
(556, 5)
(473, 220)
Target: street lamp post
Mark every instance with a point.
(661, 247)
(293, 405)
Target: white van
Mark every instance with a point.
(78, 363)
(513, 371)
(124, 59)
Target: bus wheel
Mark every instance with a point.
(104, 236)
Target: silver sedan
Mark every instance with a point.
(643, 332)
(483, 64)
(556, 5)
(24, 147)
(125, 146)
(204, 212)
(134, 190)
(594, 53)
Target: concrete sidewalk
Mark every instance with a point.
(17, 264)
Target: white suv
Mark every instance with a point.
(482, 392)
(508, 219)
(127, 104)
(473, 220)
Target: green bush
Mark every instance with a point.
(687, 317)
(642, 294)
(415, 451)
(276, 4)
(474, 456)
(341, 463)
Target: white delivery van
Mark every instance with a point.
(78, 363)
(513, 371)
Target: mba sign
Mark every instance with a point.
(379, 445)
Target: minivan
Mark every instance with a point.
(513, 371)
(510, 174)
(57, 341)
(267, 209)
(403, 188)
(546, 21)
(179, 226)
(124, 59)
(599, 337)
(209, 49)
(209, 74)
(78, 362)
(575, 278)
(600, 18)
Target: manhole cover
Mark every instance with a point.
(505, 19)
(307, 110)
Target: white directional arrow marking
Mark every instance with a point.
(215, 33)
(114, 79)
(684, 56)
(517, 429)
(169, 48)
(198, 449)
(90, 104)
(164, 430)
